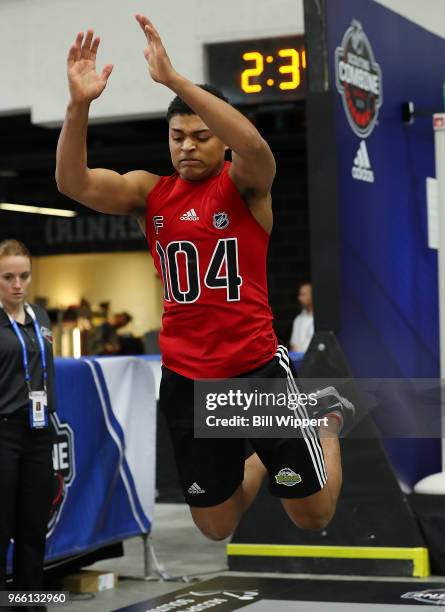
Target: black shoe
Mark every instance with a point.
(329, 401)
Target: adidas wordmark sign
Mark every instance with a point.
(362, 170)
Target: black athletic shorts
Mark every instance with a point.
(211, 469)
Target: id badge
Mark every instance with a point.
(38, 409)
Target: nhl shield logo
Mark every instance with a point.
(220, 220)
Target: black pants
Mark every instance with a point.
(26, 470)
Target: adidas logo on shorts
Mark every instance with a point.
(195, 489)
(190, 215)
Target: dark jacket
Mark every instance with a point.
(13, 390)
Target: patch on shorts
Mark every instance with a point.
(287, 477)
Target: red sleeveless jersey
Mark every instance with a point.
(211, 255)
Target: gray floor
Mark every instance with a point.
(179, 548)
(183, 551)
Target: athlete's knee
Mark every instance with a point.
(215, 531)
(312, 517)
(215, 525)
(312, 522)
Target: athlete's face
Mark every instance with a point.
(15, 277)
(196, 153)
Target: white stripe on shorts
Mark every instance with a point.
(309, 434)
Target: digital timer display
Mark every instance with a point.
(255, 71)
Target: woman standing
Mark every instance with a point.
(26, 432)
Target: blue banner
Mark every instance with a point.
(104, 457)
(389, 309)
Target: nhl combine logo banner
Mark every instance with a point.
(359, 80)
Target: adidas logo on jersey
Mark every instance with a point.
(190, 215)
(195, 489)
(361, 170)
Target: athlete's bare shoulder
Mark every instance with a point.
(113, 193)
(144, 182)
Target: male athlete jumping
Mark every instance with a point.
(208, 229)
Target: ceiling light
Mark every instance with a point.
(37, 210)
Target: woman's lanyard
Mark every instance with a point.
(39, 337)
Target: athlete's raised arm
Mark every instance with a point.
(103, 190)
(253, 167)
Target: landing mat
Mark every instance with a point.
(226, 593)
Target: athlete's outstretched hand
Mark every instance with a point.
(159, 64)
(85, 83)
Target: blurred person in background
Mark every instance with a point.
(104, 339)
(303, 325)
(26, 431)
(151, 342)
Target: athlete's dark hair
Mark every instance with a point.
(178, 107)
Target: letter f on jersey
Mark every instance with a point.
(158, 223)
